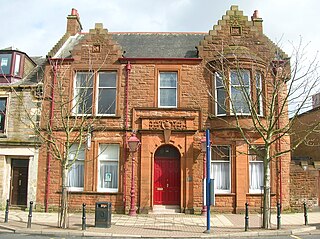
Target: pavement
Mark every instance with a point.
(159, 225)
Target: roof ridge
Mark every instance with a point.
(164, 33)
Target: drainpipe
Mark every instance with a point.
(128, 70)
(49, 155)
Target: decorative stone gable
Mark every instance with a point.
(234, 29)
(97, 47)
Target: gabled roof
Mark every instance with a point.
(146, 45)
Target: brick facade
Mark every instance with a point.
(305, 164)
(178, 128)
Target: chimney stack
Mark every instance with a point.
(257, 20)
(73, 22)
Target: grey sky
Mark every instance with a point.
(34, 26)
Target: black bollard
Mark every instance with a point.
(6, 212)
(30, 215)
(305, 211)
(246, 219)
(84, 216)
(278, 215)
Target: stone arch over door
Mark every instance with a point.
(167, 179)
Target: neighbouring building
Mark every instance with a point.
(163, 86)
(305, 163)
(19, 101)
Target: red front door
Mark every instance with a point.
(166, 181)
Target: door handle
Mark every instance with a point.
(167, 185)
(19, 182)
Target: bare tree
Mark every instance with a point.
(64, 121)
(257, 95)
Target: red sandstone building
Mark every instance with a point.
(165, 87)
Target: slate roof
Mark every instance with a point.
(159, 45)
(146, 45)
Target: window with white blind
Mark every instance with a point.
(108, 168)
(256, 170)
(221, 168)
(76, 171)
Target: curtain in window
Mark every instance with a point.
(76, 175)
(256, 175)
(109, 175)
(220, 174)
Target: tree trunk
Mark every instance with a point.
(267, 193)
(64, 199)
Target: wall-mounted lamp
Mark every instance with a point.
(89, 137)
(304, 165)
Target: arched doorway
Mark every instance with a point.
(166, 184)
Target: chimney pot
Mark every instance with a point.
(74, 12)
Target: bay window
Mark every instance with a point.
(256, 170)
(76, 171)
(108, 168)
(220, 168)
(236, 93)
(167, 89)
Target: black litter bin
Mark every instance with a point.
(103, 214)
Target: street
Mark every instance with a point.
(314, 235)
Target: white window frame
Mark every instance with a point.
(240, 86)
(259, 91)
(75, 104)
(251, 154)
(175, 87)
(100, 155)
(78, 160)
(216, 94)
(220, 191)
(98, 92)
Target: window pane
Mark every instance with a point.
(221, 174)
(3, 104)
(107, 101)
(107, 93)
(220, 153)
(109, 151)
(107, 79)
(17, 65)
(256, 169)
(168, 97)
(259, 92)
(219, 81)
(76, 175)
(221, 101)
(108, 175)
(83, 92)
(256, 175)
(84, 100)
(241, 77)
(76, 171)
(84, 79)
(239, 101)
(168, 89)
(5, 63)
(220, 167)
(108, 166)
(168, 79)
